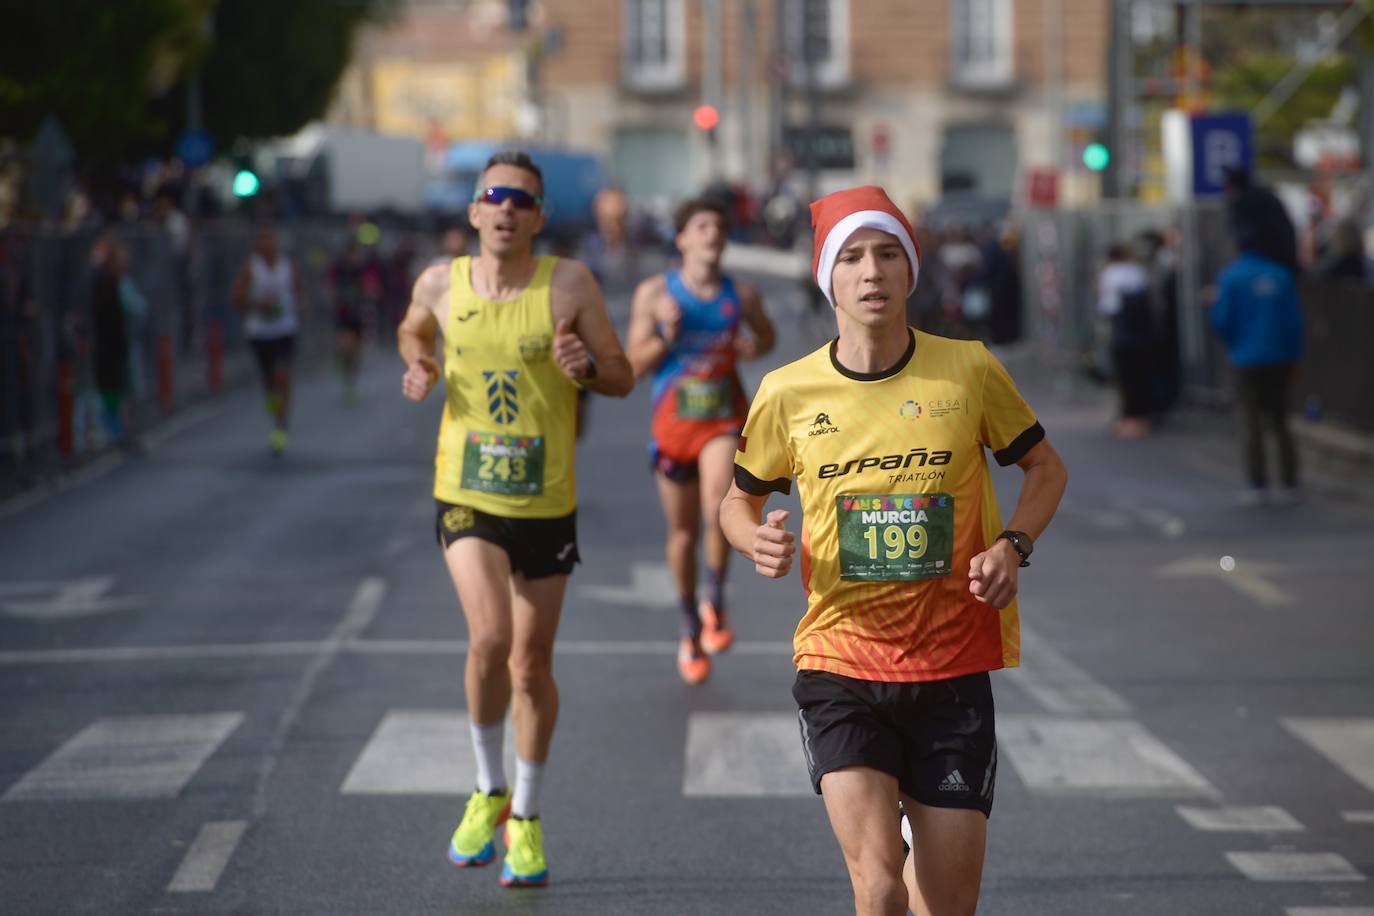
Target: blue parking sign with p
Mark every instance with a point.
(1221, 142)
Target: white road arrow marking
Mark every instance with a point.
(1246, 577)
(78, 598)
(650, 584)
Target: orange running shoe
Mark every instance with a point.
(692, 663)
(716, 636)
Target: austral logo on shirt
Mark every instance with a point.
(502, 400)
(821, 426)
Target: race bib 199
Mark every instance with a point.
(895, 537)
(705, 398)
(508, 465)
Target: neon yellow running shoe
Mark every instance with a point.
(524, 865)
(472, 841)
(278, 441)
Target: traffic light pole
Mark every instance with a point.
(1120, 67)
(711, 78)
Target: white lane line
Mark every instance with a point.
(1358, 817)
(1109, 758)
(127, 757)
(206, 652)
(367, 600)
(76, 598)
(1246, 577)
(418, 647)
(1259, 819)
(1059, 685)
(744, 755)
(1294, 866)
(205, 861)
(1169, 525)
(419, 752)
(1346, 742)
(1329, 911)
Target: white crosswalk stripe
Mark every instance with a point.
(1330, 911)
(1261, 819)
(1347, 742)
(207, 858)
(1294, 866)
(734, 755)
(1095, 757)
(127, 757)
(419, 752)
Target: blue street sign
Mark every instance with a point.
(1220, 142)
(195, 148)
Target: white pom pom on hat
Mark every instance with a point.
(836, 217)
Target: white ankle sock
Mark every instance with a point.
(487, 743)
(528, 779)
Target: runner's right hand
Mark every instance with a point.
(668, 316)
(420, 378)
(773, 546)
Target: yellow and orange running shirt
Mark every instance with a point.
(509, 430)
(896, 497)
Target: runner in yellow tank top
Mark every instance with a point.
(507, 436)
(521, 335)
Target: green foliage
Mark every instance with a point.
(96, 65)
(116, 72)
(1242, 86)
(275, 63)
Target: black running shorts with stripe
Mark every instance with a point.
(938, 738)
(537, 547)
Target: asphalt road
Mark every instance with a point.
(232, 684)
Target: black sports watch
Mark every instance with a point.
(1021, 543)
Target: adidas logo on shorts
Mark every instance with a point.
(954, 782)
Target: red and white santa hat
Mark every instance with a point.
(836, 217)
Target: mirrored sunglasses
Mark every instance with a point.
(522, 199)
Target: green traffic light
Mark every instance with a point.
(1096, 157)
(246, 183)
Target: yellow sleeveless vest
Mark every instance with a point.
(507, 439)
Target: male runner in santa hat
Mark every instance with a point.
(911, 578)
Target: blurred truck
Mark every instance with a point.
(329, 169)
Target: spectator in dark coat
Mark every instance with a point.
(1257, 316)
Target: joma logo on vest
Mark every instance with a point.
(917, 457)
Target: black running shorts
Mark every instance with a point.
(936, 737)
(271, 352)
(537, 547)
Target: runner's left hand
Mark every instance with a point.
(993, 574)
(569, 351)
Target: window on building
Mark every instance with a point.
(980, 42)
(818, 30)
(652, 49)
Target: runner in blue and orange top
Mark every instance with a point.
(685, 328)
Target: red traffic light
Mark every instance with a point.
(706, 117)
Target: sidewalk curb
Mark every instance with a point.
(1335, 441)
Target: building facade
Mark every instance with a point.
(928, 97)
(932, 98)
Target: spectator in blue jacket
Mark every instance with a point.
(1257, 317)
